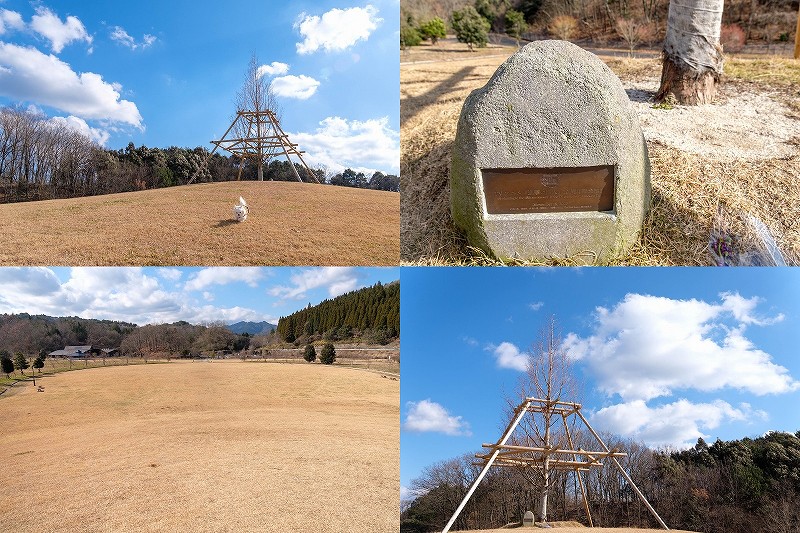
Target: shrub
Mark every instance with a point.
(433, 29)
(563, 27)
(409, 36)
(328, 355)
(310, 354)
(470, 27)
(732, 38)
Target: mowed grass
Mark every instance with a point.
(289, 224)
(202, 446)
(688, 190)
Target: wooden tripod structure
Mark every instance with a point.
(578, 461)
(262, 139)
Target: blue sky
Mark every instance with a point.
(165, 295)
(166, 73)
(666, 355)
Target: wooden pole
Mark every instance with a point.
(509, 430)
(797, 38)
(624, 474)
(578, 474)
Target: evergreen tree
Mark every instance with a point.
(310, 354)
(38, 363)
(20, 363)
(470, 27)
(433, 29)
(328, 355)
(7, 364)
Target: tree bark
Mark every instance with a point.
(692, 57)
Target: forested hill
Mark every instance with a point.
(372, 310)
(748, 485)
(31, 334)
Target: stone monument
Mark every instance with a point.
(549, 159)
(528, 519)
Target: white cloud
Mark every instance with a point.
(273, 69)
(338, 280)
(300, 87)
(121, 36)
(222, 276)
(336, 30)
(678, 424)
(535, 306)
(647, 346)
(74, 123)
(425, 416)
(171, 274)
(27, 74)
(60, 34)
(338, 144)
(127, 294)
(10, 20)
(509, 356)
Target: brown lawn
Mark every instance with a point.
(694, 192)
(202, 446)
(289, 224)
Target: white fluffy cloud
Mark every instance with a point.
(171, 274)
(97, 135)
(678, 424)
(338, 280)
(121, 36)
(10, 20)
(26, 74)
(336, 30)
(428, 416)
(509, 356)
(49, 25)
(127, 294)
(338, 144)
(222, 276)
(648, 346)
(273, 69)
(535, 306)
(301, 87)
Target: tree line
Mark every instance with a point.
(372, 313)
(40, 335)
(746, 485)
(42, 159)
(600, 21)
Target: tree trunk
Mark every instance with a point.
(692, 55)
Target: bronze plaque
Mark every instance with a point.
(548, 190)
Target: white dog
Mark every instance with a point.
(241, 210)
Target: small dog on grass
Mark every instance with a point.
(240, 210)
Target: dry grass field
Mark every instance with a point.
(734, 167)
(289, 224)
(202, 446)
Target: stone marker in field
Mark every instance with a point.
(527, 520)
(549, 159)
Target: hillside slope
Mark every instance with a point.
(289, 224)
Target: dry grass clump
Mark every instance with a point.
(692, 196)
(203, 446)
(770, 70)
(289, 224)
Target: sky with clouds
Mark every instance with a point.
(153, 295)
(665, 355)
(166, 73)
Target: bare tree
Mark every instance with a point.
(692, 56)
(549, 377)
(256, 96)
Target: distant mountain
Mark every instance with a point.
(253, 328)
